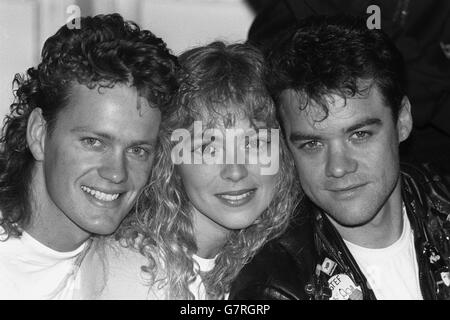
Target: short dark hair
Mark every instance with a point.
(105, 51)
(325, 55)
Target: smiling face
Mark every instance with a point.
(227, 196)
(95, 162)
(348, 163)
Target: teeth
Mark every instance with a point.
(100, 195)
(236, 198)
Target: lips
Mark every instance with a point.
(99, 195)
(347, 191)
(236, 198)
(344, 189)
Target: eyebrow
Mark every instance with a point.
(110, 137)
(298, 136)
(364, 123)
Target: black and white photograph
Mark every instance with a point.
(242, 151)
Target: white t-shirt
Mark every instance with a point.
(31, 270)
(123, 278)
(392, 272)
(204, 265)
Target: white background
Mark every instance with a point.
(25, 24)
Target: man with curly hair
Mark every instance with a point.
(369, 227)
(77, 149)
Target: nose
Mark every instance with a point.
(234, 172)
(340, 162)
(114, 168)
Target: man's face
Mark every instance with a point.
(97, 159)
(348, 163)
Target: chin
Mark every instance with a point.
(103, 228)
(105, 231)
(350, 219)
(238, 225)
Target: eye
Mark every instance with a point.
(251, 143)
(209, 149)
(361, 135)
(257, 143)
(139, 152)
(92, 143)
(312, 145)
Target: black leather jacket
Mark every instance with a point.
(287, 268)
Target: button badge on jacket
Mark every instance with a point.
(343, 288)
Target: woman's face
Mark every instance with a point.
(231, 195)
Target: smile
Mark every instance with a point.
(100, 195)
(236, 198)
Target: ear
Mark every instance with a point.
(36, 132)
(404, 120)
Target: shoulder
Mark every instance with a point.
(283, 266)
(423, 173)
(427, 184)
(12, 251)
(114, 272)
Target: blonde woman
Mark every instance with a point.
(197, 224)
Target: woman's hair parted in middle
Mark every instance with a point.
(215, 77)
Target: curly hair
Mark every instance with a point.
(106, 50)
(325, 55)
(217, 77)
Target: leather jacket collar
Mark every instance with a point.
(427, 202)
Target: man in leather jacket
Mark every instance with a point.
(420, 30)
(366, 228)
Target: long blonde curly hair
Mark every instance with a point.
(161, 226)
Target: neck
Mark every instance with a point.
(383, 230)
(210, 236)
(48, 224)
(59, 241)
